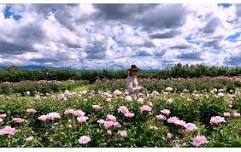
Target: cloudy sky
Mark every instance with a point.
(91, 36)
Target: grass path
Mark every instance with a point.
(81, 88)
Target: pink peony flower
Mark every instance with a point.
(53, 116)
(146, 108)
(190, 127)
(123, 109)
(172, 119)
(7, 131)
(69, 112)
(82, 119)
(84, 140)
(165, 112)
(96, 107)
(101, 121)
(3, 115)
(236, 114)
(107, 95)
(18, 120)
(111, 117)
(1, 120)
(79, 113)
(108, 124)
(43, 117)
(117, 125)
(31, 110)
(161, 117)
(180, 123)
(226, 114)
(199, 140)
(169, 135)
(129, 114)
(215, 120)
(122, 133)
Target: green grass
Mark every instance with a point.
(82, 87)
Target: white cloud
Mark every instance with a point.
(89, 36)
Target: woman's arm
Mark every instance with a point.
(132, 85)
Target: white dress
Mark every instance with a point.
(132, 86)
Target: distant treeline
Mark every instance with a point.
(14, 74)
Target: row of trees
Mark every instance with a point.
(14, 74)
(191, 71)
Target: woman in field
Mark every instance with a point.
(133, 87)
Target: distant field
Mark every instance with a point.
(176, 109)
(202, 84)
(39, 87)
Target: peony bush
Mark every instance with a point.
(107, 119)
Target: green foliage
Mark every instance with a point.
(209, 107)
(226, 135)
(38, 86)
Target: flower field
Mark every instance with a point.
(202, 84)
(102, 118)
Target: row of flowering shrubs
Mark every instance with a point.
(34, 87)
(114, 119)
(228, 84)
(179, 85)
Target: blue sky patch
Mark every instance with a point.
(8, 13)
(234, 37)
(190, 40)
(225, 5)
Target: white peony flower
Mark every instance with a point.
(170, 100)
(220, 95)
(128, 98)
(140, 100)
(117, 93)
(155, 93)
(169, 89)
